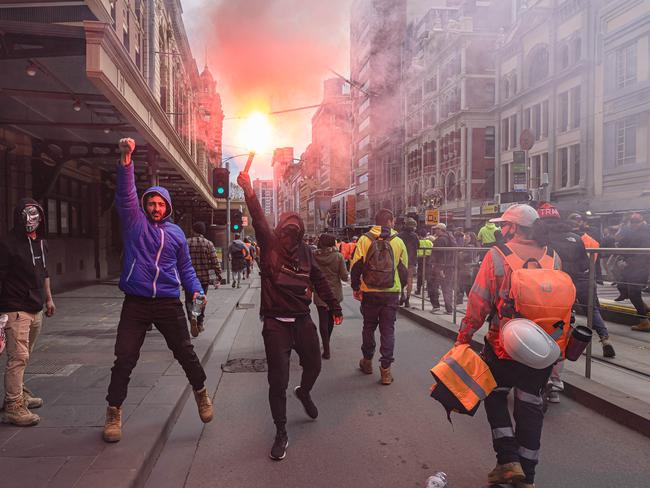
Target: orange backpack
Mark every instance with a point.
(539, 291)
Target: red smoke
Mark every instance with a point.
(270, 55)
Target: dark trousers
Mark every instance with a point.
(420, 281)
(168, 317)
(325, 326)
(189, 296)
(379, 310)
(435, 282)
(279, 339)
(521, 444)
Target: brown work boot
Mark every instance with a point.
(507, 473)
(642, 326)
(194, 327)
(30, 400)
(608, 349)
(16, 413)
(205, 405)
(365, 365)
(113, 425)
(386, 377)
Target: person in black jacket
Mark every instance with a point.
(440, 271)
(412, 243)
(288, 270)
(24, 292)
(575, 262)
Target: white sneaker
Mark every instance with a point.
(553, 397)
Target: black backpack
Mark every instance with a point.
(379, 263)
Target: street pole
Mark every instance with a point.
(227, 253)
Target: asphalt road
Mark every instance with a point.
(369, 435)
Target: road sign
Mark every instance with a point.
(244, 221)
(519, 170)
(526, 139)
(489, 208)
(433, 217)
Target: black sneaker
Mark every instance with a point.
(279, 449)
(305, 399)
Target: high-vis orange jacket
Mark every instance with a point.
(463, 379)
(544, 296)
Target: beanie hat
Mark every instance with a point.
(547, 210)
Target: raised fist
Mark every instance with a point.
(127, 146)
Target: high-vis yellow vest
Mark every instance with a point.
(463, 379)
(428, 245)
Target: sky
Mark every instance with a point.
(269, 55)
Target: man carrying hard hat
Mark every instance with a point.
(517, 449)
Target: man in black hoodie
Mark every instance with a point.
(288, 267)
(24, 292)
(412, 243)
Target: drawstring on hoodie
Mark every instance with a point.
(43, 255)
(32, 250)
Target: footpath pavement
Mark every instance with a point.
(369, 435)
(70, 370)
(619, 387)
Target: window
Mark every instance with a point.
(545, 118)
(575, 107)
(536, 122)
(576, 49)
(363, 143)
(575, 165)
(364, 106)
(563, 112)
(526, 122)
(535, 164)
(489, 142)
(563, 57)
(513, 131)
(363, 161)
(626, 141)
(364, 125)
(626, 66)
(363, 178)
(537, 65)
(125, 29)
(65, 222)
(430, 84)
(52, 216)
(505, 134)
(563, 167)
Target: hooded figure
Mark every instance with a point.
(24, 291)
(289, 270)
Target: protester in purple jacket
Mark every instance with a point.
(156, 264)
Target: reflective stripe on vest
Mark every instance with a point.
(467, 379)
(499, 265)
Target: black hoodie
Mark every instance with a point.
(23, 266)
(277, 300)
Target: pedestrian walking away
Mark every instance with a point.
(637, 267)
(204, 259)
(332, 265)
(440, 270)
(24, 292)
(517, 449)
(423, 254)
(156, 263)
(238, 254)
(288, 269)
(412, 243)
(379, 267)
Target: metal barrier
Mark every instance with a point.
(479, 251)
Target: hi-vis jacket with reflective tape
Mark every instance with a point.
(504, 290)
(463, 380)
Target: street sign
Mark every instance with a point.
(489, 208)
(244, 221)
(526, 139)
(519, 170)
(433, 217)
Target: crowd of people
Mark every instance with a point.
(382, 266)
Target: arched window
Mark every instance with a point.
(432, 182)
(450, 187)
(537, 63)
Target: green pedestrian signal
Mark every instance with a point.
(236, 220)
(220, 182)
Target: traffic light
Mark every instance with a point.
(236, 221)
(220, 182)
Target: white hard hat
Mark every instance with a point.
(527, 343)
(520, 214)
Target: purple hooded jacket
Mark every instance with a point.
(156, 256)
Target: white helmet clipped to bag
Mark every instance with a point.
(527, 343)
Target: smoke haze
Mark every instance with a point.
(269, 55)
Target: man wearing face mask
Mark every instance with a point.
(288, 269)
(156, 263)
(24, 292)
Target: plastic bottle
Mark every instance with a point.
(198, 305)
(438, 480)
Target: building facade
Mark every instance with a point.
(76, 79)
(264, 191)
